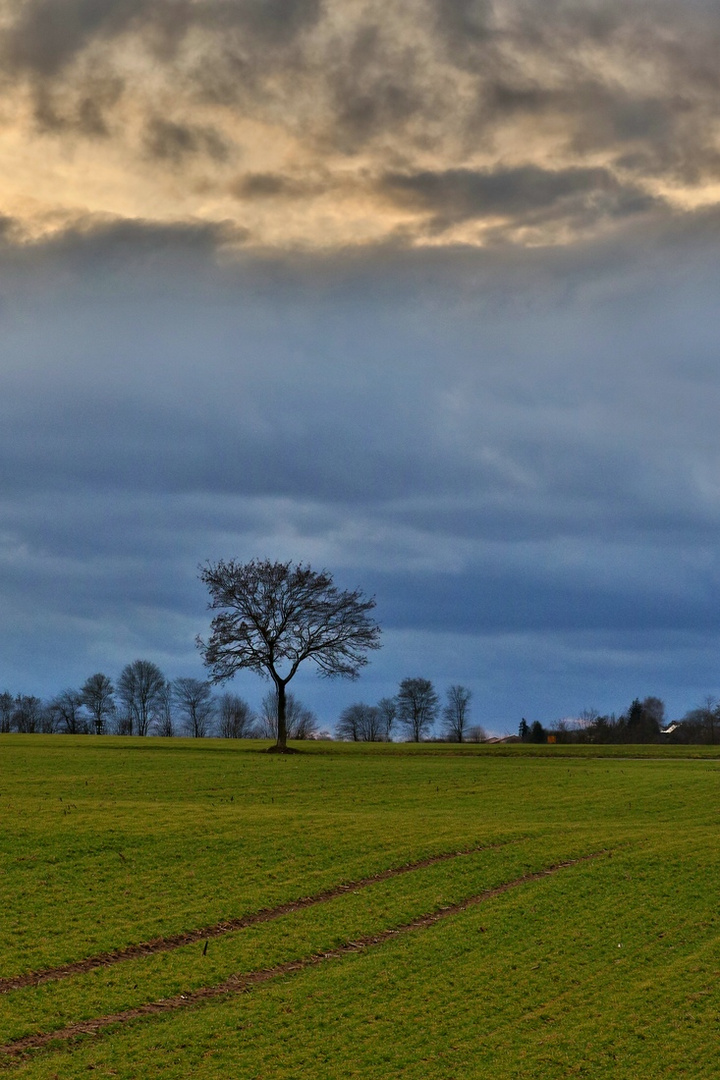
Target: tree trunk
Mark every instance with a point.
(281, 724)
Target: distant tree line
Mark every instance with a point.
(142, 701)
(643, 721)
(412, 714)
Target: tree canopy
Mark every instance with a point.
(456, 713)
(139, 688)
(417, 706)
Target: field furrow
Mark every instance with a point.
(178, 941)
(245, 981)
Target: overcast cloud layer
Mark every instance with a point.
(423, 293)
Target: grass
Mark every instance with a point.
(608, 967)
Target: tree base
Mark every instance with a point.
(282, 750)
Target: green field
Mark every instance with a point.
(512, 912)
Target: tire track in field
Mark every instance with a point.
(244, 982)
(189, 937)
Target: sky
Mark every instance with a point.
(424, 293)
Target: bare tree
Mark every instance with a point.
(66, 712)
(348, 725)
(304, 724)
(418, 706)
(587, 719)
(704, 721)
(361, 723)
(476, 733)
(7, 702)
(140, 688)
(300, 721)
(268, 715)
(29, 714)
(163, 721)
(123, 724)
(236, 719)
(98, 697)
(195, 703)
(456, 713)
(273, 616)
(711, 715)
(387, 707)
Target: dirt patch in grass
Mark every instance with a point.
(246, 981)
(189, 937)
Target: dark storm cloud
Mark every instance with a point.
(93, 244)
(552, 64)
(168, 141)
(459, 194)
(598, 115)
(277, 186)
(376, 85)
(464, 22)
(47, 35)
(87, 114)
(68, 51)
(274, 20)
